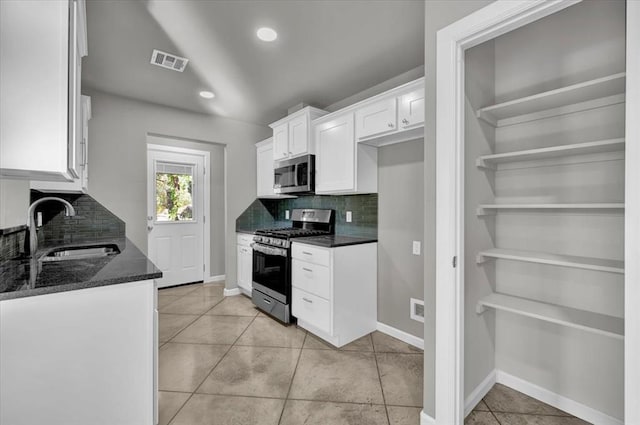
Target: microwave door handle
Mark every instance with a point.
(295, 176)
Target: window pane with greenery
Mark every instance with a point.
(174, 193)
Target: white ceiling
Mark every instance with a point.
(325, 51)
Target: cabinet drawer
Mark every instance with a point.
(312, 278)
(377, 118)
(245, 239)
(311, 254)
(311, 309)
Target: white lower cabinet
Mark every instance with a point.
(79, 357)
(334, 290)
(245, 262)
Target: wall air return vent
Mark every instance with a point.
(169, 61)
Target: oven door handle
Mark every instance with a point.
(268, 250)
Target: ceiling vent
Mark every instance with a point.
(169, 61)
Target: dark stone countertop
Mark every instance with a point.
(247, 231)
(68, 275)
(334, 241)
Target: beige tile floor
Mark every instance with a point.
(224, 363)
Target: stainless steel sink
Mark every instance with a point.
(81, 252)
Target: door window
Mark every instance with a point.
(174, 192)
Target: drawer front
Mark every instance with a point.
(244, 239)
(311, 254)
(312, 278)
(312, 309)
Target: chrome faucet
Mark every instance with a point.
(31, 221)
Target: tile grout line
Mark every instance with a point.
(384, 400)
(286, 399)
(214, 366)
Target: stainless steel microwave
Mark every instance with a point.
(295, 175)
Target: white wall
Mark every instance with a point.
(400, 222)
(117, 153)
(438, 14)
(14, 202)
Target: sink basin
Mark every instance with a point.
(81, 252)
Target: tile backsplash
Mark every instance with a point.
(92, 221)
(264, 213)
(12, 242)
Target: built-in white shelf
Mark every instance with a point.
(600, 146)
(587, 95)
(486, 209)
(588, 263)
(580, 319)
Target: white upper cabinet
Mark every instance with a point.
(411, 109)
(41, 45)
(342, 166)
(394, 116)
(280, 148)
(80, 184)
(264, 170)
(335, 159)
(292, 136)
(376, 118)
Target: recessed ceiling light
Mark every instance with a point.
(207, 94)
(267, 34)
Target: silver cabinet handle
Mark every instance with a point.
(149, 228)
(405, 121)
(306, 253)
(266, 301)
(390, 125)
(149, 217)
(307, 300)
(307, 270)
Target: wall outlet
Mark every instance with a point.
(416, 310)
(349, 217)
(286, 214)
(416, 247)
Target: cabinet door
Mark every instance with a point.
(245, 267)
(264, 170)
(411, 109)
(299, 136)
(377, 118)
(281, 142)
(335, 155)
(34, 77)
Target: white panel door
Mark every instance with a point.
(175, 218)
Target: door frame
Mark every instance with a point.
(485, 24)
(206, 239)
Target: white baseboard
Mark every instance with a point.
(218, 278)
(479, 392)
(556, 400)
(426, 419)
(231, 292)
(401, 335)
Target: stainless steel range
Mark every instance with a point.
(272, 259)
